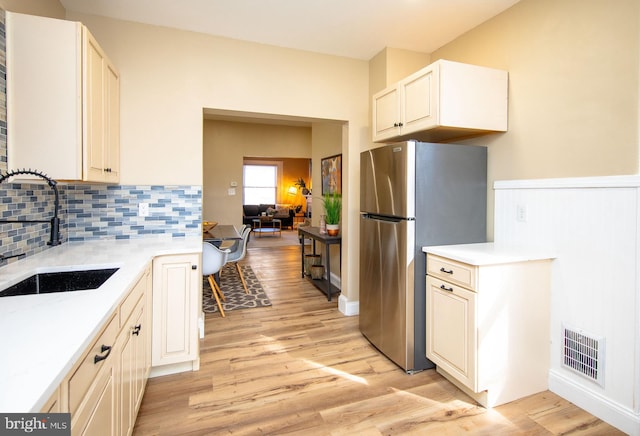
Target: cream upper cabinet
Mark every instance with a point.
(177, 294)
(63, 104)
(487, 326)
(445, 100)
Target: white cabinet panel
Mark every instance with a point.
(62, 100)
(176, 287)
(443, 101)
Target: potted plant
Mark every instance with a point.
(333, 211)
(300, 183)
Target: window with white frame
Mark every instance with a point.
(260, 184)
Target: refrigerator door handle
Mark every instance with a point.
(388, 219)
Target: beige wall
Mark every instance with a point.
(573, 87)
(169, 76)
(573, 109)
(393, 64)
(225, 145)
(44, 8)
(327, 139)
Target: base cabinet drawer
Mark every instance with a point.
(99, 356)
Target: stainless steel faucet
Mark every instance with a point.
(55, 221)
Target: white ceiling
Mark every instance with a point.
(352, 28)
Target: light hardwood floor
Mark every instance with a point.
(301, 367)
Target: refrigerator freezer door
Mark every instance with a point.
(386, 287)
(387, 180)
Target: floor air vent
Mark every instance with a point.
(584, 354)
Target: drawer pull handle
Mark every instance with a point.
(136, 330)
(105, 348)
(194, 267)
(446, 271)
(446, 289)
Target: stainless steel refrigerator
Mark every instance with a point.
(413, 194)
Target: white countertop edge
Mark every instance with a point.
(489, 253)
(38, 363)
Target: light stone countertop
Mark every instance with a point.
(489, 253)
(42, 336)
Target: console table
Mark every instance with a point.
(314, 234)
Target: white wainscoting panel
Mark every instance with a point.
(592, 225)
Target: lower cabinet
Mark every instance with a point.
(487, 325)
(91, 390)
(99, 414)
(155, 324)
(452, 327)
(177, 302)
(104, 390)
(135, 360)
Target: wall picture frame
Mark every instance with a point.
(331, 171)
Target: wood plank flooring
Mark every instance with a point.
(301, 367)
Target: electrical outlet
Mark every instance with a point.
(143, 209)
(521, 213)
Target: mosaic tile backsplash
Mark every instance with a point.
(87, 212)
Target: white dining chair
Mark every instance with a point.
(232, 244)
(238, 254)
(213, 259)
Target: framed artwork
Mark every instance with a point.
(331, 170)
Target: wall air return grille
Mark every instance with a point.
(584, 354)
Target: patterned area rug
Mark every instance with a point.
(233, 291)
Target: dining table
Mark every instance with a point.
(221, 233)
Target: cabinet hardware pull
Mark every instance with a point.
(194, 266)
(446, 271)
(136, 330)
(97, 358)
(400, 124)
(443, 287)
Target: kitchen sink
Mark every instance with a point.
(63, 281)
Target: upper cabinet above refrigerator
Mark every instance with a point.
(63, 101)
(443, 101)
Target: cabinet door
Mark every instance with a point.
(93, 108)
(132, 374)
(418, 104)
(386, 114)
(175, 309)
(98, 414)
(112, 124)
(44, 95)
(53, 404)
(142, 332)
(451, 337)
(126, 379)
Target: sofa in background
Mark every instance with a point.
(282, 212)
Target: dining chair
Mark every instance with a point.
(232, 244)
(238, 254)
(213, 259)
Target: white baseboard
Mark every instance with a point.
(348, 308)
(158, 371)
(610, 412)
